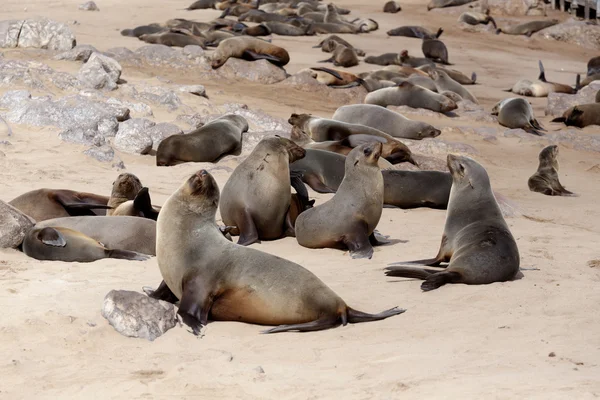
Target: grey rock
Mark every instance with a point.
(261, 71)
(193, 51)
(83, 135)
(108, 127)
(134, 136)
(136, 315)
(35, 75)
(195, 120)
(47, 34)
(9, 33)
(259, 120)
(13, 226)
(161, 131)
(575, 32)
(101, 153)
(100, 72)
(516, 7)
(558, 103)
(89, 6)
(124, 55)
(78, 53)
(153, 94)
(198, 90)
(14, 98)
(160, 55)
(136, 109)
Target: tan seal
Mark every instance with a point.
(343, 57)
(581, 115)
(173, 38)
(476, 243)
(446, 3)
(125, 188)
(545, 180)
(329, 44)
(214, 277)
(415, 32)
(444, 82)
(411, 95)
(528, 28)
(249, 48)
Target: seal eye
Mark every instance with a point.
(368, 151)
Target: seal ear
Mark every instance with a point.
(51, 237)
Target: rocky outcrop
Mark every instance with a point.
(134, 137)
(42, 33)
(100, 72)
(261, 71)
(558, 103)
(576, 32)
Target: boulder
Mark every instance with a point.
(13, 226)
(261, 71)
(198, 90)
(516, 7)
(100, 72)
(89, 6)
(136, 315)
(134, 137)
(161, 131)
(9, 33)
(558, 103)
(575, 32)
(46, 34)
(77, 53)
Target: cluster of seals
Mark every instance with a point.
(349, 219)
(477, 242)
(256, 197)
(545, 180)
(411, 95)
(251, 49)
(208, 143)
(215, 278)
(515, 113)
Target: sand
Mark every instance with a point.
(536, 337)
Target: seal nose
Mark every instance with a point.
(201, 174)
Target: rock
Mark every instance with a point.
(101, 153)
(124, 55)
(160, 55)
(13, 226)
(154, 94)
(303, 81)
(516, 7)
(134, 137)
(195, 120)
(47, 34)
(198, 90)
(136, 109)
(161, 131)
(193, 51)
(14, 97)
(261, 71)
(100, 72)
(108, 127)
(470, 111)
(9, 33)
(77, 53)
(136, 315)
(83, 135)
(35, 75)
(576, 32)
(558, 103)
(89, 6)
(259, 120)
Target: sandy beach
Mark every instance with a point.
(532, 338)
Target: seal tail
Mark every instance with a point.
(410, 272)
(127, 255)
(355, 316)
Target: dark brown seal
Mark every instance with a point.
(415, 32)
(249, 48)
(435, 50)
(581, 115)
(545, 180)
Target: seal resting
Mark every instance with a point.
(343, 57)
(528, 28)
(545, 179)
(476, 242)
(581, 115)
(515, 113)
(249, 48)
(349, 219)
(446, 3)
(256, 197)
(415, 32)
(208, 143)
(443, 82)
(409, 94)
(216, 279)
(124, 189)
(391, 7)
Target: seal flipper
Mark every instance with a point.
(359, 244)
(377, 239)
(51, 237)
(195, 303)
(127, 255)
(161, 293)
(329, 71)
(248, 231)
(439, 279)
(143, 204)
(542, 76)
(252, 56)
(410, 272)
(355, 316)
(318, 325)
(79, 204)
(331, 60)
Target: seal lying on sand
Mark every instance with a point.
(581, 115)
(545, 180)
(249, 48)
(528, 28)
(217, 279)
(408, 94)
(415, 32)
(515, 113)
(476, 242)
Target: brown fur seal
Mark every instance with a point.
(323, 129)
(476, 242)
(260, 16)
(216, 279)
(581, 115)
(335, 78)
(391, 7)
(384, 59)
(43, 204)
(329, 44)
(143, 30)
(63, 244)
(249, 48)
(415, 32)
(124, 188)
(476, 18)
(124, 233)
(446, 3)
(593, 66)
(343, 57)
(545, 180)
(351, 216)
(528, 28)
(283, 29)
(202, 5)
(386, 121)
(141, 206)
(408, 94)
(435, 50)
(256, 197)
(414, 189)
(325, 27)
(414, 61)
(452, 73)
(206, 144)
(443, 82)
(516, 112)
(322, 170)
(173, 39)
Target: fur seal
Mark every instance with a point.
(343, 57)
(283, 29)
(408, 94)
(384, 59)
(325, 27)
(476, 242)
(143, 30)
(141, 206)
(256, 197)
(201, 5)
(446, 3)
(322, 170)
(43, 204)
(249, 48)
(516, 112)
(581, 115)
(415, 32)
(413, 189)
(435, 50)
(391, 7)
(528, 28)
(206, 144)
(545, 180)
(414, 62)
(335, 78)
(593, 66)
(351, 216)
(217, 279)
(541, 88)
(260, 16)
(63, 244)
(476, 18)
(390, 122)
(444, 82)
(173, 39)
(452, 73)
(329, 44)
(125, 188)
(124, 233)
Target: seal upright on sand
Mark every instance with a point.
(217, 279)
(435, 50)
(349, 219)
(256, 197)
(43, 204)
(249, 48)
(476, 242)
(545, 180)
(515, 113)
(387, 121)
(408, 94)
(125, 188)
(343, 57)
(208, 143)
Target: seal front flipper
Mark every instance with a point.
(377, 239)
(248, 231)
(196, 302)
(359, 245)
(161, 293)
(143, 204)
(252, 56)
(436, 280)
(51, 237)
(127, 255)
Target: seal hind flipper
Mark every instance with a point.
(355, 316)
(427, 262)
(248, 231)
(79, 204)
(329, 71)
(326, 322)
(331, 59)
(439, 33)
(162, 292)
(410, 272)
(358, 243)
(377, 239)
(535, 123)
(559, 119)
(127, 255)
(51, 237)
(252, 56)
(542, 76)
(439, 279)
(143, 203)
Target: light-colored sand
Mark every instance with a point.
(468, 342)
